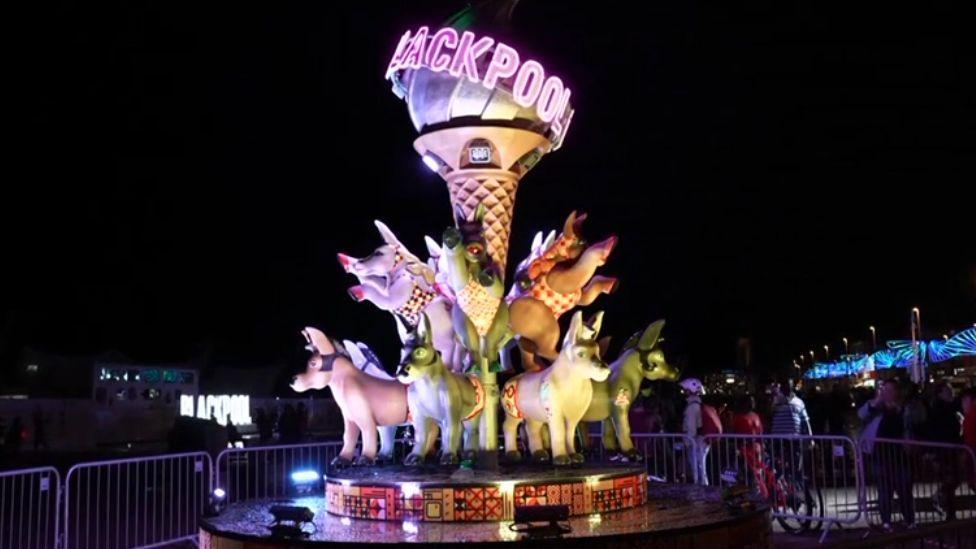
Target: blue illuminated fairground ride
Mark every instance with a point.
(899, 354)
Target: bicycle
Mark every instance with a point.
(793, 501)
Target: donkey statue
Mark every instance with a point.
(558, 396)
(397, 281)
(640, 359)
(480, 315)
(367, 400)
(559, 279)
(437, 395)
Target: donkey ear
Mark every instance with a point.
(433, 248)
(536, 243)
(319, 341)
(574, 331)
(604, 344)
(595, 323)
(387, 234)
(423, 329)
(480, 212)
(402, 329)
(651, 335)
(459, 217)
(355, 353)
(550, 239)
(568, 225)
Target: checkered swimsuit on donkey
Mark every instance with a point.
(419, 298)
(557, 302)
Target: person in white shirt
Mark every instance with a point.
(692, 424)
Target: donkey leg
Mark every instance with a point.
(421, 442)
(597, 285)
(350, 435)
(533, 320)
(534, 430)
(609, 436)
(621, 425)
(471, 437)
(387, 441)
(510, 426)
(574, 456)
(557, 435)
(368, 455)
(433, 431)
(451, 439)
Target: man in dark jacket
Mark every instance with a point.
(944, 427)
(885, 418)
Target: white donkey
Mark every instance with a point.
(436, 395)
(558, 396)
(397, 281)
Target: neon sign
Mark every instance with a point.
(238, 407)
(527, 81)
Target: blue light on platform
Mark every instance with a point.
(304, 477)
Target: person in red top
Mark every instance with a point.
(746, 421)
(969, 429)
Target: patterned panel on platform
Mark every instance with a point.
(481, 503)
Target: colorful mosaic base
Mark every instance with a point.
(484, 503)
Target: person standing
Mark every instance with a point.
(969, 432)
(40, 433)
(884, 418)
(699, 421)
(943, 426)
(839, 406)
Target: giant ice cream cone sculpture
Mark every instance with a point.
(486, 115)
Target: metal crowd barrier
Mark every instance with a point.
(917, 482)
(30, 502)
(809, 482)
(136, 502)
(667, 456)
(264, 471)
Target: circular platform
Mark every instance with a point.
(463, 495)
(674, 516)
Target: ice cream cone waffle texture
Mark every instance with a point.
(498, 195)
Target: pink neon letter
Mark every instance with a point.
(526, 91)
(466, 55)
(398, 55)
(549, 99)
(444, 37)
(557, 122)
(503, 64)
(415, 53)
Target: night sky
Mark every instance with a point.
(188, 171)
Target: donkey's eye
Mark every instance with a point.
(581, 353)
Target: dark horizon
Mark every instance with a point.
(790, 177)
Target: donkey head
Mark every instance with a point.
(418, 357)
(645, 348)
(318, 370)
(581, 349)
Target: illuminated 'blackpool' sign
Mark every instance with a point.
(446, 50)
(238, 407)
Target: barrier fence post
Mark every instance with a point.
(916, 482)
(263, 471)
(136, 502)
(30, 502)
